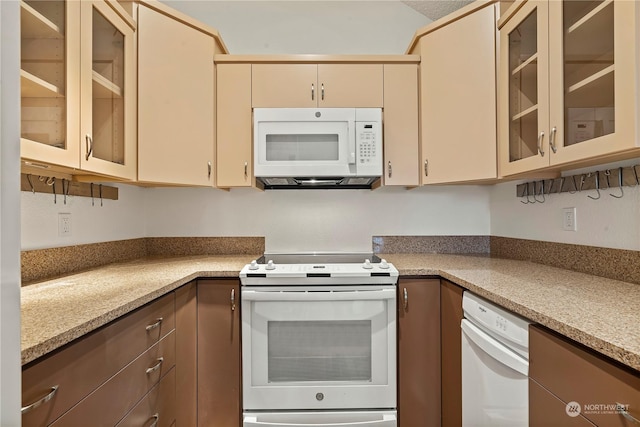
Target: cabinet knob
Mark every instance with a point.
(426, 167)
(313, 92)
(390, 170)
(209, 167)
(88, 145)
(246, 170)
(322, 91)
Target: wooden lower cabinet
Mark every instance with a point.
(219, 377)
(157, 408)
(546, 410)
(451, 315)
(578, 376)
(418, 352)
(186, 355)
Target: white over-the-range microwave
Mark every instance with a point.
(317, 147)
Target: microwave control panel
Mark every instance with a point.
(368, 148)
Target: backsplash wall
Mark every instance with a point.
(607, 222)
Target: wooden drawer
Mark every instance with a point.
(112, 400)
(83, 365)
(546, 410)
(575, 374)
(158, 405)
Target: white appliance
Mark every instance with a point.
(319, 344)
(495, 365)
(317, 147)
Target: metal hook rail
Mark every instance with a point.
(536, 191)
(43, 184)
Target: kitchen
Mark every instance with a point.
(427, 211)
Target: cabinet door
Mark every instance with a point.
(234, 165)
(524, 90)
(175, 104)
(593, 78)
(350, 85)
(107, 93)
(419, 352)
(49, 82)
(458, 100)
(284, 85)
(451, 315)
(219, 353)
(186, 355)
(401, 125)
(546, 410)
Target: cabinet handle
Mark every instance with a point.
(406, 298)
(208, 170)
(552, 140)
(623, 411)
(39, 402)
(540, 138)
(154, 420)
(313, 92)
(154, 325)
(246, 170)
(389, 168)
(322, 91)
(426, 167)
(88, 145)
(156, 366)
(233, 300)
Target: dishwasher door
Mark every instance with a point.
(494, 382)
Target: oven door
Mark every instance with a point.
(319, 347)
(304, 142)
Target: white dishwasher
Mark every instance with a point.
(495, 365)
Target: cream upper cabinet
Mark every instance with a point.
(401, 125)
(175, 101)
(568, 79)
(107, 92)
(317, 85)
(458, 101)
(234, 160)
(49, 82)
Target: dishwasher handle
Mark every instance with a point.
(387, 420)
(494, 348)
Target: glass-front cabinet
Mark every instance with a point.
(108, 85)
(78, 87)
(49, 84)
(568, 82)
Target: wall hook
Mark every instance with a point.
(620, 184)
(535, 196)
(525, 193)
(92, 201)
(597, 186)
(100, 191)
(53, 186)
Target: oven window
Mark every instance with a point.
(302, 147)
(319, 351)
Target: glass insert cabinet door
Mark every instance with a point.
(592, 83)
(524, 77)
(108, 93)
(49, 81)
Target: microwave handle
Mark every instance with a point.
(387, 420)
(382, 294)
(353, 136)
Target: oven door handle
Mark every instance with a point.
(387, 420)
(381, 294)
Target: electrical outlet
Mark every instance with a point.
(569, 219)
(64, 224)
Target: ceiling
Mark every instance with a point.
(436, 9)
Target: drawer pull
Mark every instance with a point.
(154, 420)
(40, 402)
(406, 299)
(233, 299)
(155, 325)
(623, 411)
(156, 366)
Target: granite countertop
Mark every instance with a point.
(597, 312)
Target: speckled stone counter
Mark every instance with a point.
(597, 312)
(58, 311)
